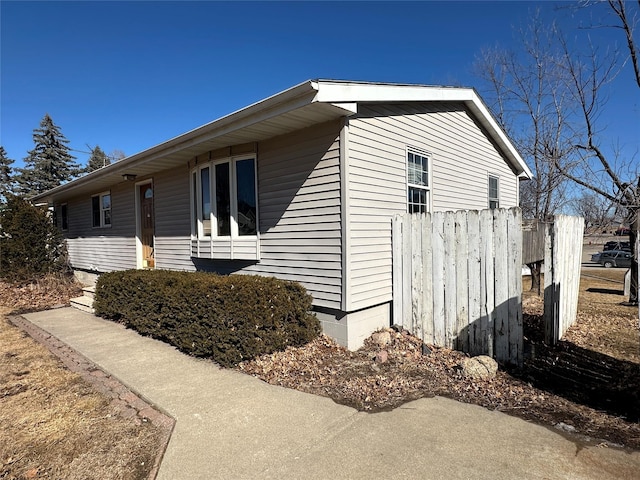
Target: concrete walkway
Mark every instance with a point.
(233, 426)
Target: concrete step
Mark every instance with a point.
(89, 291)
(83, 303)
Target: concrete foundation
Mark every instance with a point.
(351, 329)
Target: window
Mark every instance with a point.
(64, 217)
(494, 197)
(101, 210)
(418, 187)
(224, 198)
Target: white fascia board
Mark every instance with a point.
(348, 108)
(499, 135)
(341, 92)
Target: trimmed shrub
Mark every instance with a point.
(30, 245)
(226, 318)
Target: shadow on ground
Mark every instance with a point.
(606, 291)
(580, 375)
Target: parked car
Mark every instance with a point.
(614, 258)
(617, 245)
(622, 231)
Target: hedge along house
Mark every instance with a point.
(301, 186)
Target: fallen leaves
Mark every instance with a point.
(46, 292)
(356, 379)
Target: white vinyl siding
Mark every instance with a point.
(299, 207)
(299, 214)
(103, 249)
(460, 158)
(172, 220)
(299, 224)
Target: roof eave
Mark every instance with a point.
(290, 99)
(341, 98)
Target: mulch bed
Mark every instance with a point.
(606, 409)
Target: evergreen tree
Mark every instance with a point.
(49, 164)
(30, 245)
(98, 159)
(6, 180)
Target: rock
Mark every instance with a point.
(397, 328)
(479, 368)
(382, 356)
(425, 350)
(565, 427)
(382, 338)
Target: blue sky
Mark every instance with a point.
(129, 75)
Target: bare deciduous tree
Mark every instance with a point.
(615, 179)
(596, 210)
(529, 96)
(557, 91)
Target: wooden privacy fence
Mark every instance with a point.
(457, 280)
(562, 263)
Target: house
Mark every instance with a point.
(301, 186)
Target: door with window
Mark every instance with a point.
(147, 225)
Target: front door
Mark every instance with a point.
(147, 225)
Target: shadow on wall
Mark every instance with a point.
(221, 267)
(287, 162)
(497, 334)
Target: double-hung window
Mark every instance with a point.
(418, 181)
(101, 210)
(224, 199)
(64, 217)
(494, 193)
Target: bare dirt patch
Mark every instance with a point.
(599, 356)
(54, 424)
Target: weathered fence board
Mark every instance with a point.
(533, 237)
(563, 256)
(456, 278)
(514, 251)
(475, 292)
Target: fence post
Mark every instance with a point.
(396, 268)
(550, 294)
(563, 256)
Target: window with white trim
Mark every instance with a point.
(494, 192)
(101, 210)
(224, 199)
(418, 181)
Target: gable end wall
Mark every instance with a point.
(462, 157)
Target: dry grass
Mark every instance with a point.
(605, 326)
(54, 425)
